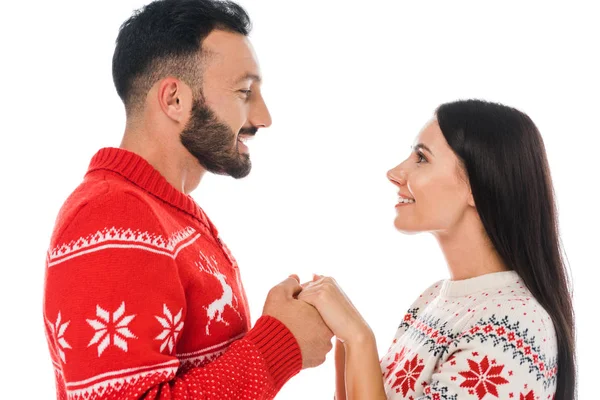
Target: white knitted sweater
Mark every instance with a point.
(481, 338)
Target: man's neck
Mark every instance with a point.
(172, 161)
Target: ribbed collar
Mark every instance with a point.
(138, 171)
(471, 286)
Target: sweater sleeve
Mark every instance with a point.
(498, 356)
(114, 314)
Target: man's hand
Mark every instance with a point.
(302, 319)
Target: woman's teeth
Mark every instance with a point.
(403, 200)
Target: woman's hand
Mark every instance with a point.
(358, 374)
(337, 311)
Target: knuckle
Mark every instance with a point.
(331, 284)
(273, 292)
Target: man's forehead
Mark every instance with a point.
(233, 55)
(249, 76)
(227, 44)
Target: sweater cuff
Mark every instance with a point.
(279, 348)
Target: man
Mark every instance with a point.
(142, 298)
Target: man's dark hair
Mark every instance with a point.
(165, 38)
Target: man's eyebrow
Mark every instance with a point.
(249, 76)
(422, 146)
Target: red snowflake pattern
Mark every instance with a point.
(398, 357)
(408, 376)
(484, 377)
(528, 396)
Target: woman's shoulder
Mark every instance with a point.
(428, 295)
(513, 327)
(420, 303)
(514, 317)
(514, 302)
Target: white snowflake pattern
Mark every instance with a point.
(111, 329)
(57, 331)
(172, 327)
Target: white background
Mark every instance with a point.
(349, 85)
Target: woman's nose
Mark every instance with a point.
(397, 176)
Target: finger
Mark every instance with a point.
(309, 291)
(291, 286)
(311, 287)
(306, 284)
(314, 296)
(309, 298)
(311, 283)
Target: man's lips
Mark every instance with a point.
(242, 141)
(244, 138)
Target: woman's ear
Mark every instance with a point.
(470, 199)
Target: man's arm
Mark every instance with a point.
(114, 315)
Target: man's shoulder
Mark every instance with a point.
(103, 202)
(106, 191)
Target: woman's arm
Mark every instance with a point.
(358, 374)
(363, 373)
(340, 371)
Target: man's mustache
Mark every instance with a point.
(249, 131)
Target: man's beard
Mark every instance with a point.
(214, 144)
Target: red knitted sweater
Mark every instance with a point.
(143, 300)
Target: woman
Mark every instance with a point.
(502, 325)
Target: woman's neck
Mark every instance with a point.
(468, 250)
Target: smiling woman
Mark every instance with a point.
(503, 323)
(437, 187)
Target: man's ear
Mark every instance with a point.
(170, 93)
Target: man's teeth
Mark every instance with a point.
(403, 200)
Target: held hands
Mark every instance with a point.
(314, 312)
(303, 321)
(337, 311)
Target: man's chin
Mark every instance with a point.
(239, 174)
(236, 171)
(241, 170)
